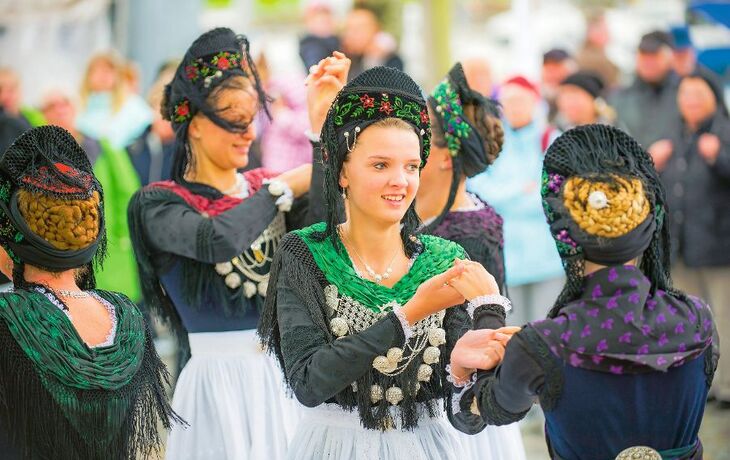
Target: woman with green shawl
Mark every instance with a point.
(79, 376)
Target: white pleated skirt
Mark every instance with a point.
(232, 395)
(493, 443)
(330, 432)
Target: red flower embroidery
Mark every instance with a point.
(191, 72)
(367, 101)
(386, 107)
(223, 63)
(182, 109)
(424, 116)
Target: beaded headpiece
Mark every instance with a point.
(374, 95)
(212, 59)
(452, 128)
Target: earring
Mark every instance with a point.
(344, 194)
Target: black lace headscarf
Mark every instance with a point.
(471, 153)
(376, 94)
(47, 160)
(602, 153)
(209, 64)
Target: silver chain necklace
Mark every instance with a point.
(377, 277)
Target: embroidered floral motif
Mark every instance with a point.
(450, 109)
(182, 111)
(202, 67)
(367, 101)
(354, 107)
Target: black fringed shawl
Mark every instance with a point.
(202, 285)
(41, 416)
(295, 262)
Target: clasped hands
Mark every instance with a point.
(466, 280)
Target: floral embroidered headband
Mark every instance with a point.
(449, 108)
(371, 106)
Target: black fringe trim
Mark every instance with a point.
(294, 261)
(121, 424)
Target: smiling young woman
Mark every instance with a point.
(204, 242)
(358, 311)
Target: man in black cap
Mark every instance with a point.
(557, 64)
(649, 103)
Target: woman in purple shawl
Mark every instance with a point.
(623, 363)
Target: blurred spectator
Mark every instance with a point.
(593, 55)
(694, 162)
(118, 178)
(649, 104)
(152, 152)
(131, 76)
(579, 102)
(479, 75)
(534, 274)
(557, 64)
(282, 140)
(59, 108)
(10, 100)
(109, 109)
(685, 55)
(321, 39)
(366, 44)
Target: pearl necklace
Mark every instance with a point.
(377, 277)
(73, 294)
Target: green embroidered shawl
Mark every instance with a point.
(436, 257)
(64, 398)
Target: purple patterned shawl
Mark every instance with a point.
(617, 326)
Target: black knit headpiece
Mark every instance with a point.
(211, 60)
(602, 153)
(46, 160)
(452, 129)
(376, 94)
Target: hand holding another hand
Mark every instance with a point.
(480, 349)
(474, 280)
(433, 296)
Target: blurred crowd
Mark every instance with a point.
(672, 105)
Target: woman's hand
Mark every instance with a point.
(474, 280)
(479, 349)
(325, 80)
(298, 179)
(433, 296)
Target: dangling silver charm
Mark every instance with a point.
(350, 148)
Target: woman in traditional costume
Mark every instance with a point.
(466, 138)
(204, 242)
(79, 375)
(357, 307)
(623, 363)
